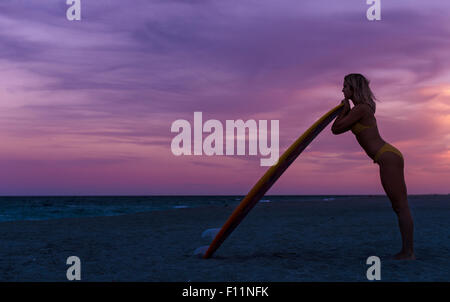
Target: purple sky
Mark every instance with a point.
(86, 107)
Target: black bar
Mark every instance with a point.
(223, 290)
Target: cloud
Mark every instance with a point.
(122, 75)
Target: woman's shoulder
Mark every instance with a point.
(366, 108)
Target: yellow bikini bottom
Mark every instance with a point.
(386, 148)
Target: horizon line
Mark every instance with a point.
(167, 195)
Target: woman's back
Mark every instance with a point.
(366, 132)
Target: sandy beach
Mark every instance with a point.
(278, 241)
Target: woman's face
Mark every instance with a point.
(347, 90)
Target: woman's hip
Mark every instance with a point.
(386, 148)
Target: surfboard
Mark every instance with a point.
(269, 178)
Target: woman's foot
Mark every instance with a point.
(404, 256)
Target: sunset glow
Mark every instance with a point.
(86, 108)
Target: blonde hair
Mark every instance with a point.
(361, 89)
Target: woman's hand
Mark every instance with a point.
(345, 102)
(346, 106)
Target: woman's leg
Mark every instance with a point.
(393, 181)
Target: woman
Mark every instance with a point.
(361, 121)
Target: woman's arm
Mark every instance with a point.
(346, 122)
(341, 115)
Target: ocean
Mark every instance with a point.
(14, 208)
